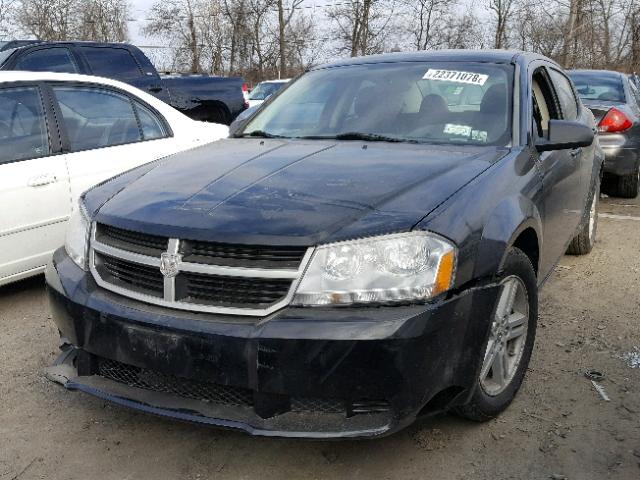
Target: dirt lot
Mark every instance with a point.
(558, 426)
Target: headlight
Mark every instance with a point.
(77, 237)
(389, 268)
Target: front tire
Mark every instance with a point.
(583, 242)
(510, 343)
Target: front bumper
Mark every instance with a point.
(302, 372)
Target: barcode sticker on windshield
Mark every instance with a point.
(456, 76)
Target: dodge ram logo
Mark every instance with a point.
(169, 264)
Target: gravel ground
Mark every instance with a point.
(558, 426)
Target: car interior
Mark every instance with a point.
(22, 127)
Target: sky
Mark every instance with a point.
(139, 9)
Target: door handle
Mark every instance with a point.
(575, 152)
(154, 88)
(42, 180)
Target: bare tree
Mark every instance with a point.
(361, 25)
(99, 20)
(103, 20)
(286, 11)
(7, 12)
(49, 19)
(175, 21)
(502, 10)
(425, 23)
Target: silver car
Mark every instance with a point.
(614, 100)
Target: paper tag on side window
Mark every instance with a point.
(456, 76)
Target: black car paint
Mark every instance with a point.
(200, 97)
(622, 149)
(421, 358)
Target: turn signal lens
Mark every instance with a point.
(444, 277)
(614, 121)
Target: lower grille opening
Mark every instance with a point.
(214, 393)
(182, 387)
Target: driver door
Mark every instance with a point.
(561, 175)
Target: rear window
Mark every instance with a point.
(443, 102)
(598, 86)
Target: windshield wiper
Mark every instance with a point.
(262, 134)
(370, 137)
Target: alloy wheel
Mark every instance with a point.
(507, 338)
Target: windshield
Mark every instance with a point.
(444, 102)
(598, 86)
(265, 89)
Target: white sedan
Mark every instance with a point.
(61, 134)
(264, 90)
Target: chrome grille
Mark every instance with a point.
(130, 274)
(208, 277)
(230, 291)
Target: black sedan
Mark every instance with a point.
(367, 248)
(614, 99)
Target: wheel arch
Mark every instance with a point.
(515, 222)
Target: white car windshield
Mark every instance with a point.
(443, 102)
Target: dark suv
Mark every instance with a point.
(367, 248)
(201, 97)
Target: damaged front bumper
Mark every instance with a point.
(302, 372)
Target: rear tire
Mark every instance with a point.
(510, 347)
(627, 185)
(584, 241)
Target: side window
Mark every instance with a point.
(565, 94)
(23, 129)
(57, 59)
(115, 63)
(543, 103)
(96, 118)
(152, 127)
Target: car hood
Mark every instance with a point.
(290, 192)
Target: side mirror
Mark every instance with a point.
(564, 134)
(241, 120)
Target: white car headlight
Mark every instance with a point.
(77, 238)
(400, 267)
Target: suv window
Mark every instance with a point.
(97, 118)
(23, 130)
(56, 59)
(565, 94)
(115, 63)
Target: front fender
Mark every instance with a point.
(505, 223)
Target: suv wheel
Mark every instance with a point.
(510, 343)
(583, 242)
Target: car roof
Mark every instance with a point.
(40, 43)
(7, 76)
(458, 55)
(610, 73)
(279, 80)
